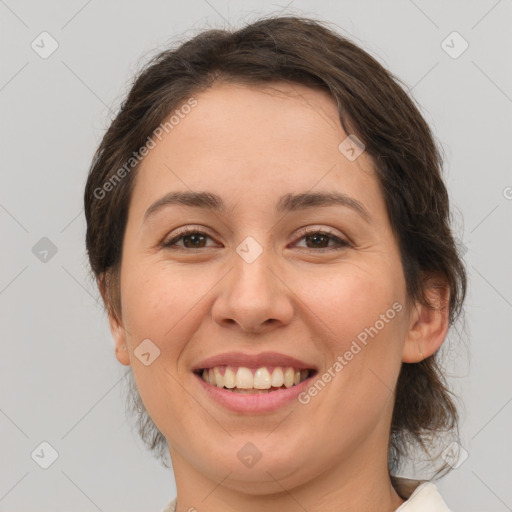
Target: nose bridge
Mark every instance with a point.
(252, 268)
(254, 293)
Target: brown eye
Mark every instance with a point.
(320, 240)
(192, 239)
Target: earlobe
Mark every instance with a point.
(429, 324)
(119, 336)
(105, 282)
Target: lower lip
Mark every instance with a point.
(256, 403)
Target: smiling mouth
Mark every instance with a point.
(245, 380)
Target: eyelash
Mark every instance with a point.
(342, 244)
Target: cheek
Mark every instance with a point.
(349, 300)
(156, 298)
(160, 303)
(359, 319)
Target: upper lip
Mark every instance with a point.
(253, 361)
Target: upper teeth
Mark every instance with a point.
(262, 378)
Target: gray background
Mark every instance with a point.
(59, 379)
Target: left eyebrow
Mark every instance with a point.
(294, 202)
(287, 203)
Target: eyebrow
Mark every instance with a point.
(287, 203)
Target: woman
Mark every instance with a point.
(269, 229)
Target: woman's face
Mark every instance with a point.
(251, 282)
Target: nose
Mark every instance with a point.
(254, 296)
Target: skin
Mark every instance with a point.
(251, 145)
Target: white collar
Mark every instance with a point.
(425, 498)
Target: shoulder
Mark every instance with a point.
(424, 497)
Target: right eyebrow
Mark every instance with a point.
(205, 200)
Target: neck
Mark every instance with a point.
(360, 482)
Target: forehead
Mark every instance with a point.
(237, 120)
(248, 141)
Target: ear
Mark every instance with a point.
(428, 324)
(115, 321)
(119, 336)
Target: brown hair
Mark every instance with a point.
(372, 105)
